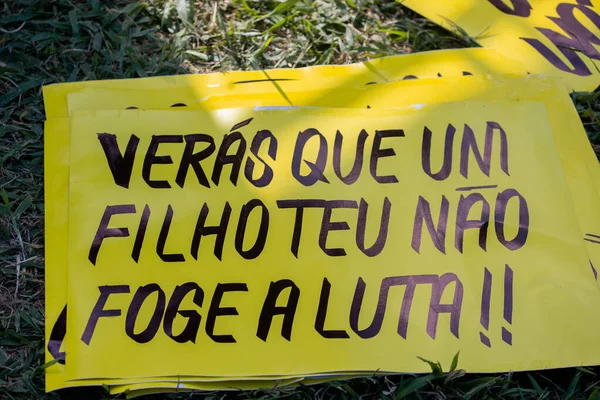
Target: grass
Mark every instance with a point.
(45, 41)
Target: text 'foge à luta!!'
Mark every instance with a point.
(257, 232)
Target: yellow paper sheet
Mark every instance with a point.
(552, 296)
(572, 141)
(442, 63)
(551, 37)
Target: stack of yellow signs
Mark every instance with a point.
(276, 228)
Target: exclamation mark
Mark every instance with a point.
(486, 295)
(508, 303)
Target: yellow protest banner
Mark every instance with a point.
(245, 86)
(552, 37)
(263, 238)
(573, 146)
